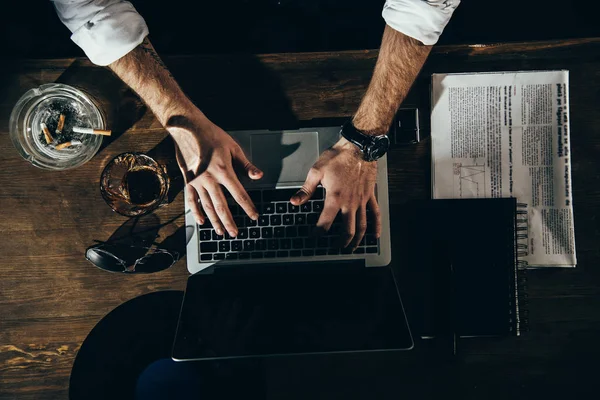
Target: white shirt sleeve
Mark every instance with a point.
(423, 20)
(106, 30)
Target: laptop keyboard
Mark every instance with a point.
(282, 231)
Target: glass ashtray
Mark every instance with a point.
(42, 107)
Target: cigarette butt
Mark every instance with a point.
(90, 131)
(61, 124)
(47, 135)
(62, 145)
(73, 142)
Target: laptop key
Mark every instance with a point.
(208, 247)
(268, 208)
(347, 250)
(237, 245)
(306, 207)
(288, 219)
(204, 234)
(276, 219)
(300, 219)
(317, 206)
(228, 236)
(270, 254)
(279, 231)
(310, 243)
(303, 231)
(295, 253)
(312, 219)
(231, 256)
(254, 233)
(371, 240)
(321, 252)
(282, 254)
(263, 220)
(359, 250)
(323, 242)
(205, 257)
(292, 208)
(224, 246)
(244, 256)
(249, 221)
(298, 243)
(273, 244)
(333, 251)
(281, 208)
(219, 256)
(216, 237)
(243, 233)
(249, 245)
(267, 232)
(372, 250)
(291, 231)
(319, 193)
(285, 244)
(257, 254)
(260, 245)
(308, 253)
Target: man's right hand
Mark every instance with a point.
(207, 155)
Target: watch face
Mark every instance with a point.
(378, 148)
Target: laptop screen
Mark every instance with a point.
(289, 308)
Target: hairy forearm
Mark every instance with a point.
(399, 62)
(143, 71)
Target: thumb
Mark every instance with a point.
(308, 189)
(253, 172)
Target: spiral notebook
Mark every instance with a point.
(464, 258)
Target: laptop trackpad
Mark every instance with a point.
(285, 158)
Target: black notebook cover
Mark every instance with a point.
(463, 256)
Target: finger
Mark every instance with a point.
(349, 221)
(193, 198)
(308, 189)
(361, 226)
(253, 172)
(233, 185)
(328, 214)
(376, 214)
(222, 208)
(209, 209)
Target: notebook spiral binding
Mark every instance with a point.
(519, 311)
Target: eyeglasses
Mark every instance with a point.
(152, 259)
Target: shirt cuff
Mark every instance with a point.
(423, 20)
(111, 33)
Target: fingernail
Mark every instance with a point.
(254, 217)
(219, 231)
(255, 171)
(233, 233)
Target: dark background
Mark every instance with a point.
(31, 29)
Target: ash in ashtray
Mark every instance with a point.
(73, 118)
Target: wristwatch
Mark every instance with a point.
(371, 147)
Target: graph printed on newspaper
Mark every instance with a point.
(506, 134)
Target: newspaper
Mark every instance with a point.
(507, 135)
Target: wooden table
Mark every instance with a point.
(51, 297)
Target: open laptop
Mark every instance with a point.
(283, 232)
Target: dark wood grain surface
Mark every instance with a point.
(51, 297)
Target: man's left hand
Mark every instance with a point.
(349, 182)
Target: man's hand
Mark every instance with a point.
(347, 177)
(207, 157)
(349, 182)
